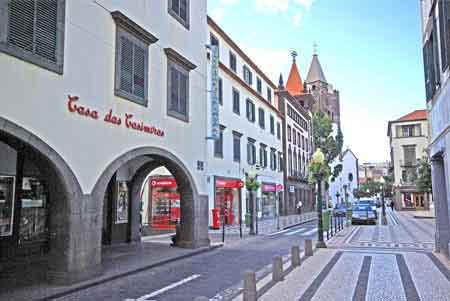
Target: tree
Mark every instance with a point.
(323, 138)
(423, 181)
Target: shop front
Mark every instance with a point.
(227, 202)
(163, 204)
(269, 200)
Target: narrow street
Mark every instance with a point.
(208, 275)
(393, 262)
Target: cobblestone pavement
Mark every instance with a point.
(393, 262)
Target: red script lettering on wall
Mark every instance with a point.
(130, 123)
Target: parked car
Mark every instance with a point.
(340, 210)
(371, 203)
(363, 213)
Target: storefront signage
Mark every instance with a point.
(127, 120)
(164, 183)
(291, 189)
(229, 184)
(280, 187)
(269, 188)
(215, 122)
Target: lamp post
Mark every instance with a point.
(252, 186)
(318, 171)
(383, 209)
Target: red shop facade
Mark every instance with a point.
(227, 201)
(163, 204)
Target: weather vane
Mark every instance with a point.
(294, 54)
(315, 48)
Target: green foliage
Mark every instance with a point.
(330, 146)
(252, 185)
(423, 181)
(368, 189)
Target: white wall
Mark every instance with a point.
(349, 165)
(36, 98)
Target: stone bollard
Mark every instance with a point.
(277, 269)
(308, 248)
(201, 299)
(295, 256)
(249, 293)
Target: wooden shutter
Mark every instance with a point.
(253, 111)
(32, 27)
(126, 64)
(220, 91)
(184, 9)
(139, 59)
(443, 33)
(248, 153)
(183, 96)
(174, 79)
(176, 6)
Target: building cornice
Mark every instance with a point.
(235, 77)
(129, 25)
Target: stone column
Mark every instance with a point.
(441, 205)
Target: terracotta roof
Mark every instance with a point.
(416, 115)
(294, 83)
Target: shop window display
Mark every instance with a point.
(269, 200)
(165, 204)
(6, 205)
(227, 200)
(34, 211)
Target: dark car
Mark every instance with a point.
(363, 213)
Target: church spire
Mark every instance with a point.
(294, 83)
(315, 73)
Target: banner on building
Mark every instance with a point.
(215, 122)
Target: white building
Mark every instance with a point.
(341, 189)
(436, 41)
(408, 137)
(250, 135)
(93, 100)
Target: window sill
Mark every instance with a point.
(130, 97)
(178, 116)
(179, 19)
(31, 58)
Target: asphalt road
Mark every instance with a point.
(201, 275)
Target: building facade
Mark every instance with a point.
(373, 171)
(436, 54)
(297, 145)
(341, 189)
(408, 137)
(95, 98)
(250, 136)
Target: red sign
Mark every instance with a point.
(128, 121)
(269, 188)
(167, 182)
(229, 184)
(280, 187)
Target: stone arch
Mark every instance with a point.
(194, 207)
(67, 204)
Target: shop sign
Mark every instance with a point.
(229, 184)
(280, 187)
(291, 188)
(171, 183)
(269, 188)
(215, 122)
(126, 121)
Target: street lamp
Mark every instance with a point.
(252, 186)
(318, 169)
(383, 209)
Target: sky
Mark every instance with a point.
(370, 51)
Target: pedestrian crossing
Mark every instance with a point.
(307, 231)
(365, 275)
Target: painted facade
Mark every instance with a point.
(123, 93)
(251, 135)
(435, 41)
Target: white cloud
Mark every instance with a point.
(297, 19)
(228, 2)
(272, 5)
(217, 14)
(305, 3)
(271, 61)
